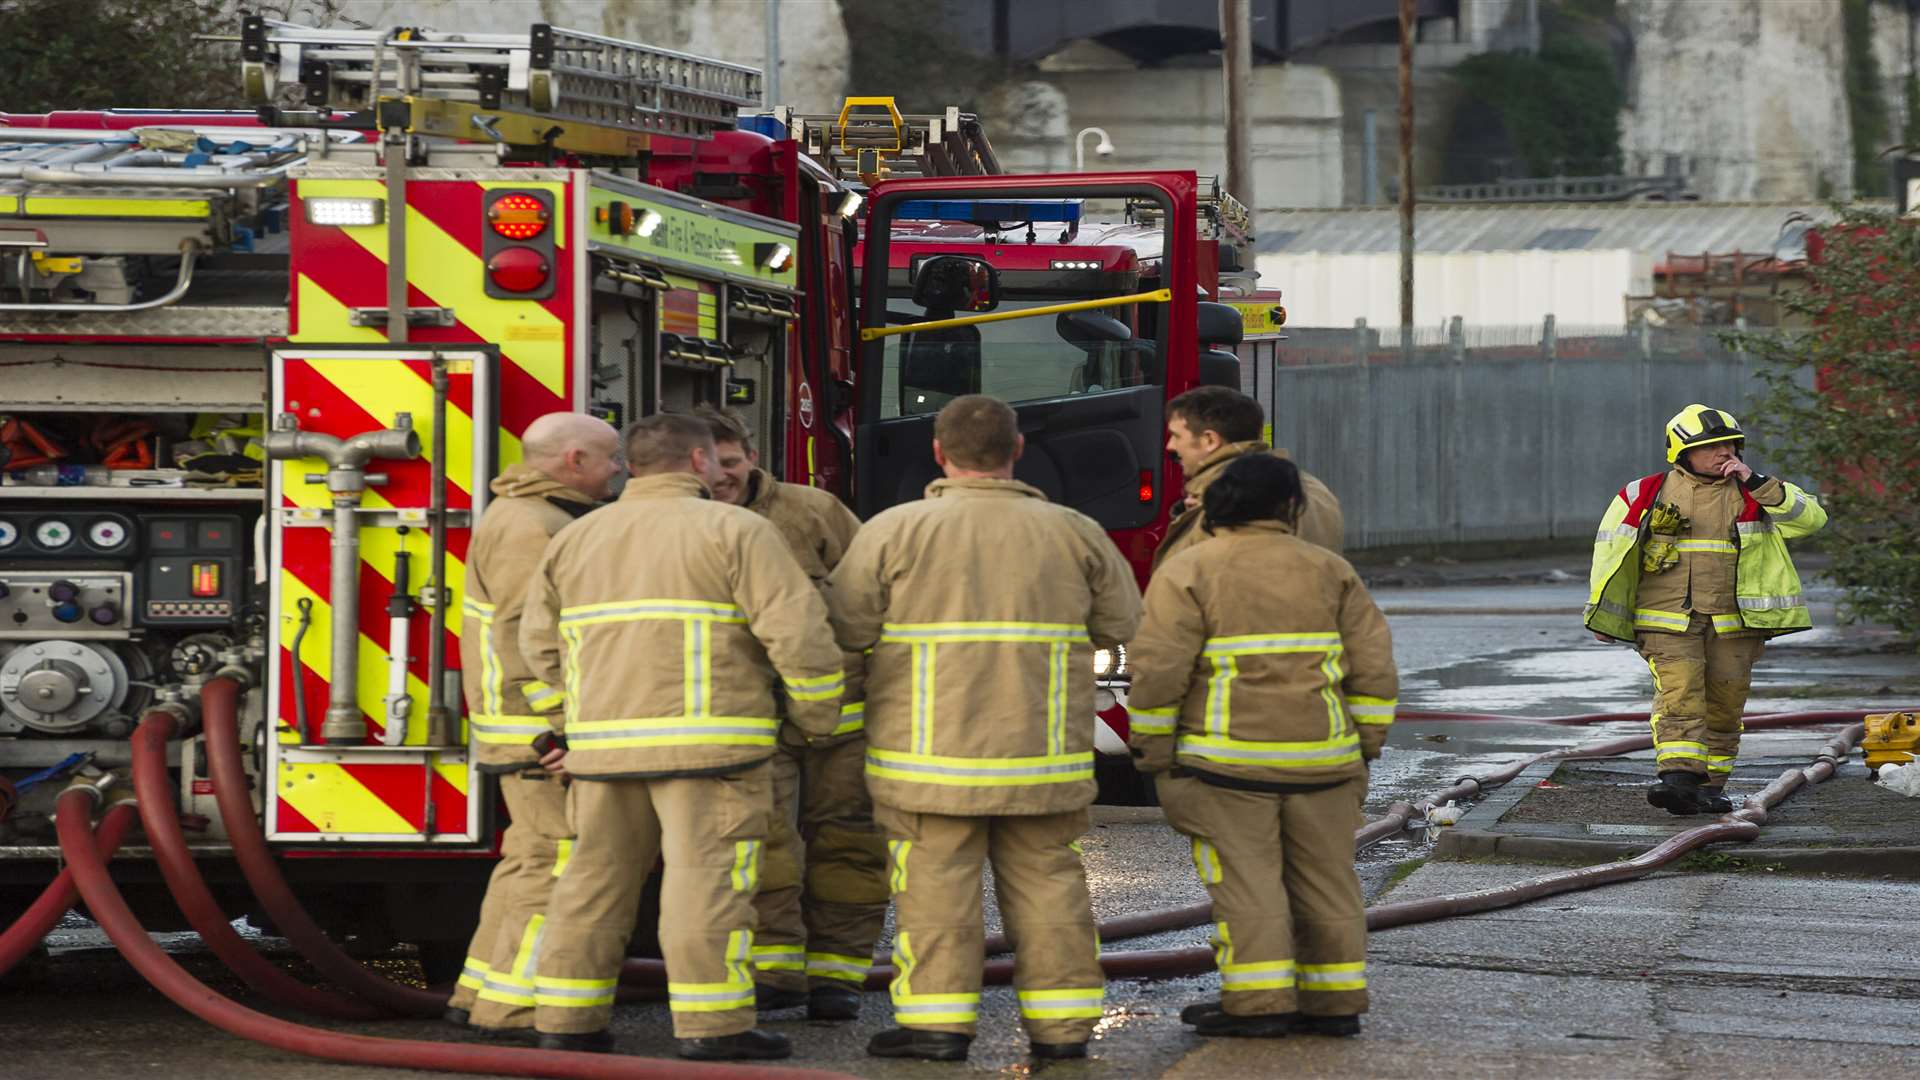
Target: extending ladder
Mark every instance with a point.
(860, 143)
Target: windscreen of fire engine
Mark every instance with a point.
(1046, 356)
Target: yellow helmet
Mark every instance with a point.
(1700, 425)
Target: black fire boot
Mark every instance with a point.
(1714, 800)
(1261, 1026)
(834, 1002)
(1678, 793)
(768, 998)
(1193, 1013)
(1057, 1051)
(585, 1042)
(1336, 1027)
(916, 1043)
(756, 1044)
(457, 1017)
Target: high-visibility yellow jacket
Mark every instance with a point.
(982, 603)
(1321, 521)
(662, 624)
(1261, 657)
(528, 507)
(1766, 586)
(817, 527)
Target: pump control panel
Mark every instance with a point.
(192, 572)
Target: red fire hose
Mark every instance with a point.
(58, 898)
(110, 910)
(190, 892)
(219, 703)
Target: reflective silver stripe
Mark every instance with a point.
(970, 1008)
(493, 725)
(1014, 632)
(1795, 505)
(1080, 763)
(546, 991)
(627, 733)
(1618, 532)
(1612, 608)
(744, 994)
(686, 609)
(1748, 528)
(1092, 1000)
(1230, 750)
(1632, 490)
(1236, 646)
(1771, 603)
(835, 965)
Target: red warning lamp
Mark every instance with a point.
(1146, 485)
(518, 217)
(519, 270)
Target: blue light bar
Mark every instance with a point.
(986, 212)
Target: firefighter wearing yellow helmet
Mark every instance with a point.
(1691, 566)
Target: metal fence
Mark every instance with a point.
(1480, 434)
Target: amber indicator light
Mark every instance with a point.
(518, 217)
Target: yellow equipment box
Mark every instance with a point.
(1891, 739)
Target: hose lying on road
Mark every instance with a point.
(58, 897)
(1779, 719)
(190, 892)
(219, 716)
(110, 910)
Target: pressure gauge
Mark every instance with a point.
(53, 534)
(107, 535)
(8, 534)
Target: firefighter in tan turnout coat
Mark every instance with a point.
(667, 619)
(1210, 426)
(1263, 682)
(823, 882)
(982, 604)
(570, 462)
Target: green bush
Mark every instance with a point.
(1843, 409)
(97, 54)
(1561, 109)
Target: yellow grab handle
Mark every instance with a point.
(1158, 296)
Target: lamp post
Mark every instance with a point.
(1104, 148)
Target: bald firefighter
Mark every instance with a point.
(823, 883)
(1691, 566)
(570, 461)
(983, 604)
(1209, 426)
(667, 620)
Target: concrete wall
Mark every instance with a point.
(813, 40)
(1172, 118)
(1586, 288)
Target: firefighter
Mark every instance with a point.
(983, 604)
(1691, 566)
(569, 464)
(1209, 426)
(663, 622)
(1263, 686)
(818, 919)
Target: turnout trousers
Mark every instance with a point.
(1290, 930)
(938, 935)
(494, 985)
(708, 830)
(1700, 682)
(823, 885)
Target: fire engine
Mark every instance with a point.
(261, 367)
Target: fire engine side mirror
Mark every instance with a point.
(1088, 329)
(1218, 367)
(1220, 324)
(956, 283)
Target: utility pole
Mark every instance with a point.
(1406, 174)
(1236, 39)
(770, 78)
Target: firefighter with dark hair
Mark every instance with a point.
(1209, 426)
(1263, 685)
(1691, 566)
(982, 604)
(823, 884)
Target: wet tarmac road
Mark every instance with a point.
(1594, 1001)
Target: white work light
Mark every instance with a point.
(333, 211)
(849, 204)
(648, 224)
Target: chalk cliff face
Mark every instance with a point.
(813, 40)
(1750, 96)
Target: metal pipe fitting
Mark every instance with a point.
(189, 252)
(347, 481)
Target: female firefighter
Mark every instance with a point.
(1691, 565)
(1263, 685)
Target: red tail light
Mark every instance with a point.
(519, 270)
(518, 217)
(1146, 485)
